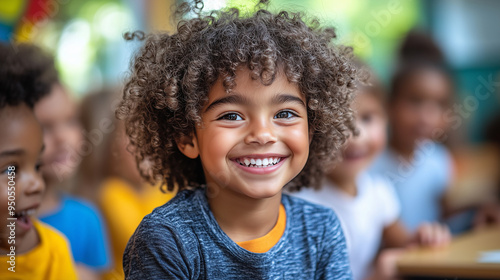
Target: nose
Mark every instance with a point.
(34, 184)
(261, 132)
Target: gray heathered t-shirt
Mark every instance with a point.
(182, 240)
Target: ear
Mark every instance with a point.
(188, 146)
(311, 134)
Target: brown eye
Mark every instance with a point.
(367, 118)
(285, 115)
(231, 117)
(38, 166)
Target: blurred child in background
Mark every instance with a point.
(75, 218)
(366, 203)
(37, 251)
(122, 195)
(417, 164)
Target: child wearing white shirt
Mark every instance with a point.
(365, 203)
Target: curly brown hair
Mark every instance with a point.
(172, 75)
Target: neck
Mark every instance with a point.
(405, 151)
(347, 184)
(243, 218)
(24, 243)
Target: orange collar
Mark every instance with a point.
(266, 242)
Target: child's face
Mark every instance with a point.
(254, 140)
(62, 135)
(20, 148)
(361, 150)
(417, 111)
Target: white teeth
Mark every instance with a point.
(265, 162)
(28, 212)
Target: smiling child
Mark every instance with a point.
(229, 111)
(366, 203)
(29, 249)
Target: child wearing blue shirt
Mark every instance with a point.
(62, 137)
(228, 111)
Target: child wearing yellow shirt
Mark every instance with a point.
(28, 249)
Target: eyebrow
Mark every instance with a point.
(10, 153)
(231, 99)
(17, 152)
(285, 98)
(240, 100)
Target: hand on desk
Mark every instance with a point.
(487, 214)
(432, 235)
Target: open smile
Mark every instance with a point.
(24, 217)
(260, 164)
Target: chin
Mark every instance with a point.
(262, 192)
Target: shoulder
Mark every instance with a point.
(79, 204)
(375, 183)
(312, 216)
(317, 230)
(377, 189)
(385, 161)
(180, 205)
(179, 215)
(51, 238)
(438, 161)
(113, 187)
(81, 208)
(442, 152)
(165, 242)
(301, 206)
(326, 195)
(55, 248)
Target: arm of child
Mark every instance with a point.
(396, 235)
(155, 251)
(386, 264)
(427, 234)
(487, 214)
(334, 260)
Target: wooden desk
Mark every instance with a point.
(459, 259)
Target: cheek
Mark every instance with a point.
(75, 137)
(443, 124)
(4, 193)
(297, 140)
(377, 136)
(215, 143)
(49, 142)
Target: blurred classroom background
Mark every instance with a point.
(86, 39)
